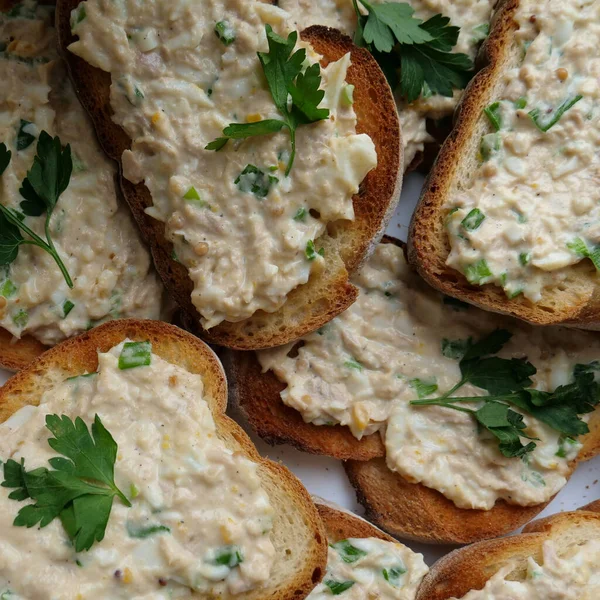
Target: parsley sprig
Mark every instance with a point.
(421, 50)
(47, 179)
(296, 94)
(81, 488)
(507, 382)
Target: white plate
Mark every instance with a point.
(325, 476)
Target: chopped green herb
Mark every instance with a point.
(546, 121)
(254, 181)
(578, 246)
(310, 252)
(490, 144)
(521, 103)
(135, 354)
(480, 32)
(424, 388)
(565, 445)
(80, 376)
(352, 363)
(455, 349)
(473, 220)
(81, 488)
(78, 15)
(8, 289)
(300, 214)
(133, 491)
(24, 139)
(225, 32)
(143, 532)
(478, 273)
(393, 575)
(534, 478)
(348, 553)
(21, 318)
(337, 587)
(67, 307)
(348, 95)
(493, 114)
(524, 258)
(192, 195)
(286, 80)
(229, 556)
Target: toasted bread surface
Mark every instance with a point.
(576, 301)
(469, 568)
(346, 243)
(298, 534)
(16, 353)
(341, 524)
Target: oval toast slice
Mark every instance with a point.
(298, 535)
(346, 243)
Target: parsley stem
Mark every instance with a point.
(293, 154)
(54, 253)
(452, 390)
(48, 246)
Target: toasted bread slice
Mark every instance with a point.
(341, 524)
(469, 568)
(346, 243)
(577, 300)
(298, 534)
(413, 511)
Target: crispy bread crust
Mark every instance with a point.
(298, 534)
(346, 244)
(341, 524)
(469, 568)
(257, 395)
(16, 353)
(577, 302)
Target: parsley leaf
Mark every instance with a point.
(285, 78)
(81, 488)
(47, 179)
(507, 382)
(421, 50)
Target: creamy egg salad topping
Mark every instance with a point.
(93, 233)
(398, 342)
(472, 16)
(532, 207)
(199, 518)
(181, 72)
(570, 576)
(365, 568)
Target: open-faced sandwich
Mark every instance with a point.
(555, 558)
(261, 165)
(364, 563)
(70, 254)
(509, 217)
(425, 47)
(481, 418)
(123, 478)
